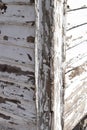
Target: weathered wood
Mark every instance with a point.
(49, 55)
(18, 59)
(76, 64)
(82, 125)
(42, 62)
(17, 78)
(57, 62)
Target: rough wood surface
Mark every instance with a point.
(82, 125)
(49, 60)
(42, 62)
(76, 63)
(17, 85)
(57, 62)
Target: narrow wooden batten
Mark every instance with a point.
(49, 63)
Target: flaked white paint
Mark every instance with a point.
(76, 64)
(17, 86)
(58, 62)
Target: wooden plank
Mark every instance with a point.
(49, 59)
(17, 100)
(42, 65)
(79, 4)
(14, 54)
(76, 64)
(18, 13)
(57, 63)
(17, 78)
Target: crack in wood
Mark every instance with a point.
(76, 26)
(13, 123)
(21, 107)
(70, 10)
(30, 58)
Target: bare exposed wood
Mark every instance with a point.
(42, 69)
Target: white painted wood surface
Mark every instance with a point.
(49, 56)
(76, 63)
(17, 85)
(19, 63)
(57, 62)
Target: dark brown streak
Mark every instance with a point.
(4, 116)
(3, 100)
(30, 58)
(70, 70)
(14, 69)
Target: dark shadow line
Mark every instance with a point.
(76, 26)
(76, 9)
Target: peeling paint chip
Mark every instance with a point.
(5, 37)
(30, 58)
(4, 116)
(30, 39)
(3, 6)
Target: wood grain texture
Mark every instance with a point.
(49, 55)
(42, 62)
(50, 38)
(17, 78)
(57, 62)
(76, 64)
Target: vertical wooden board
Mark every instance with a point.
(49, 60)
(76, 64)
(17, 80)
(57, 62)
(42, 65)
